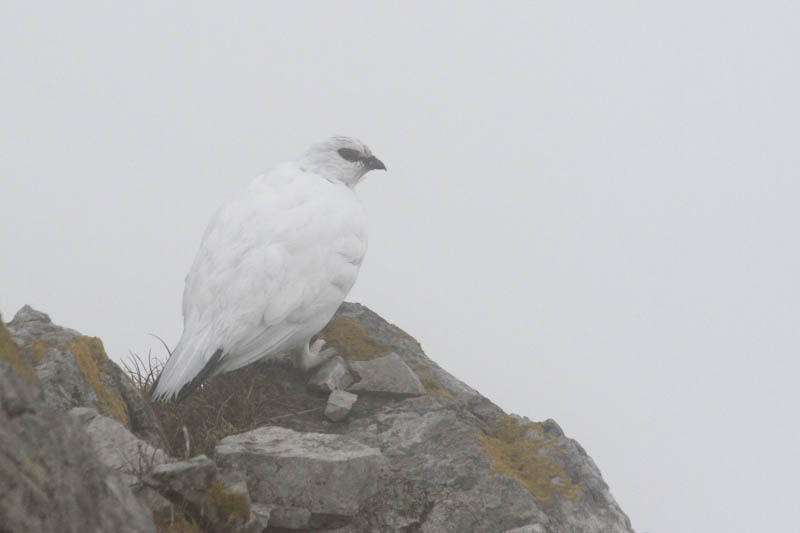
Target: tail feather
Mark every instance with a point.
(185, 370)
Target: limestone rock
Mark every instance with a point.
(50, 479)
(420, 451)
(76, 372)
(324, 474)
(185, 480)
(261, 513)
(289, 517)
(332, 375)
(339, 405)
(387, 375)
(116, 447)
(456, 462)
(196, 486)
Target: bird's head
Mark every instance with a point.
(340, 159)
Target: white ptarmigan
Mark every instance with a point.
(274, 265)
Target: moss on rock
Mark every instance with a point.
(90, 358)
(352, 340)
(514, 455)
(233, 508)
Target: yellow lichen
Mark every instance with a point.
(514, 455)
(233, 507)
(90, 357)
(352, 340)
(10, 352)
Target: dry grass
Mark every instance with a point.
(261, 394)
(143, 372)
(258, 395)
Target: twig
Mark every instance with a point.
(298, 413)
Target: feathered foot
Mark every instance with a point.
(313, 355)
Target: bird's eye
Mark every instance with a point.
(349, 154)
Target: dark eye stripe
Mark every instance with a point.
(350, 155)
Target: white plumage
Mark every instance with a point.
(274, 265)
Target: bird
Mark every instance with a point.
(274, 264)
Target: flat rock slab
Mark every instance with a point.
(323, 473)
(332, 375)
(387, 375)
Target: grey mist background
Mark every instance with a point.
(590, 214)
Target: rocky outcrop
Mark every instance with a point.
(416, 450)
(75, 371)
(50, 477)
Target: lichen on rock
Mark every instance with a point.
(89, 355)
(232, 508)
(350, 337)
(515, 454)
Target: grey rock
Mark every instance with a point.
(322, 473)
(261, 513)
(424, 452)
(332, 375)
(440, 476)
(232, 483)
(289, 517)
(185, 480)
(196, 486)
(153, 499)
(387, 375)
(50, 479)
(339, 405)
(76, 372)
(437, 381)
(116, 447)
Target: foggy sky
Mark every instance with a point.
(590, 213)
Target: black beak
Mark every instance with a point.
(373, 163)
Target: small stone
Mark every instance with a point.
(387, 375)
(331, 376)
(339, 405)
